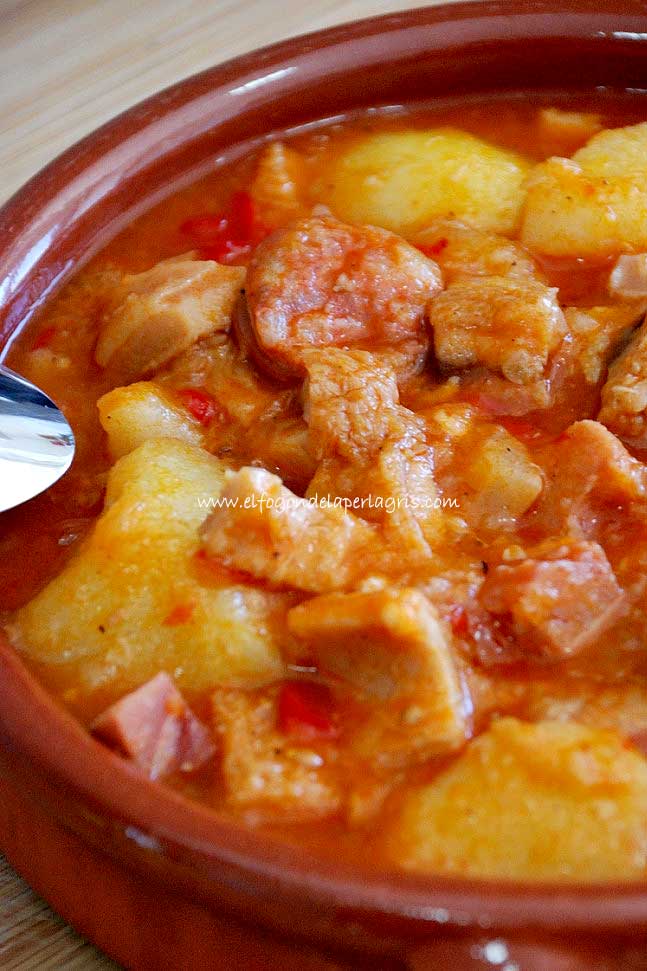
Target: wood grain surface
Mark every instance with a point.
(66, 66)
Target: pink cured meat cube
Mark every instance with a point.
(155, 728)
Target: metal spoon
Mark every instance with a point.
(36, 442)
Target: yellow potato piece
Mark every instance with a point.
(545, 801)
(403, 180)
(132, 602)
(133, 414)
(593, 205)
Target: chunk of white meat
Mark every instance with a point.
(624, 396)
(547, 801)
(597, 334)
(565, 131)
(390, 646)
(265, 530)
(158, 314)
(594, 205)
(511, 326)
(132, 600)
(133, 414)
(589, 471)
(265, 771)
(402, 180)
(318, 282)
(628, 278)
(278, 184)
(350, 400)
(465, 251)
(556, 601)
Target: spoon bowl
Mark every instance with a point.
(36, 441)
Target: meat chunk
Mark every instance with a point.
(589, 472)
(267, 531)
(628, 278)
(597, 335)
(373, 450)
(350, 400)
(390, 646)
(624, 396)
(529, 802)
(265, 770)
(557, 601)
(464, 251)
(155, 728)
(562, 132)
(276, 188)
(161, 312)
(319, 282)
(508, 325)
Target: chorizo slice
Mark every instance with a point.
(319, 282)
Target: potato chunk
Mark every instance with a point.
(137, 412)
(262, 768)
(593, 205)
(624, 396)
(161, 312)
(267, 531)
(548, 801)
(403, 180)
(132, 601)
(504, 479)
(508, 325)
(389, 645)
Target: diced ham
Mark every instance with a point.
(508, 325)
(155, 728)
(390, 646)
(319, 282)
(266, 769)
(556, 602)
(159, 313)
(265, 530)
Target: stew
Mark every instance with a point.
(354, 547)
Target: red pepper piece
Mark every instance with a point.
(206, 228)
(44, 339)
(200, 404)
(227, 235)
(520, 428)
(180, 614)
(434, 248)
(459, 620)
(306, 711)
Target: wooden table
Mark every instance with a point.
(66, 66)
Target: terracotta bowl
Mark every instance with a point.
(154, 880)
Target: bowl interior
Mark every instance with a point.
(85, 197)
